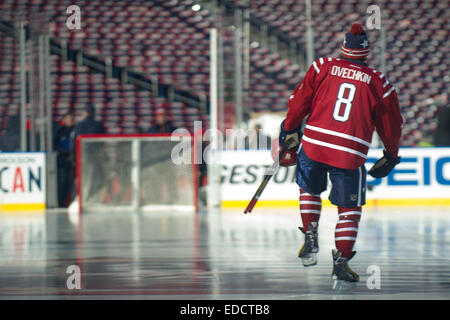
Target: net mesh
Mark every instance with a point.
(134, 173)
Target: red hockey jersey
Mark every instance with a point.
(344, 103)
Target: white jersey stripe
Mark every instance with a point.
(346, 229)
(388, 93)
(311, 202)
(321, 61)
(315, 67)
(334, 146)
(338, 134)
(329, 59)
(345, 238)
(385, 84)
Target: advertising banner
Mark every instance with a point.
(22, 181)
(422, 178)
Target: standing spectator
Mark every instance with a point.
(11, 139)
(62, 146)
(258, 140)
(442, 133)
(3, 118)
(163, 125)
(88, 125)
(166, 189)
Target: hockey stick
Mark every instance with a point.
(268, 175)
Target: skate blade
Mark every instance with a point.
(342, 285)
(310, 260)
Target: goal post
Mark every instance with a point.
(136, 173)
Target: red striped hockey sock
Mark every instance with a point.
(347, 230)
(310, 207)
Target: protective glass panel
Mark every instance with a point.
(134, 173)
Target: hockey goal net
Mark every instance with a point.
(134, 172)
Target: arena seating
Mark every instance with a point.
(145, 37)
(9, 81)
(416, 41)
(272, 80)
(122, 108)
(168, 40)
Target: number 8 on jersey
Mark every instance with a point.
(343, 100)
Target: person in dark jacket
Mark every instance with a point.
(62, 145)
(3, 125)
(258, 140)
(167, 189)
(442, 133)
(11, 138)
(163, 125)
(88, 125)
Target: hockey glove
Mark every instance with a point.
(384, 165)
(289, 158)
(289, 139)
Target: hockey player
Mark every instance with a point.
(343, 101)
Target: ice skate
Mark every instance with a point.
(344, 277)
(308, 253)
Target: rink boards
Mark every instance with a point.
(422, 178)
(22, 181)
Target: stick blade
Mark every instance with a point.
(250, 206)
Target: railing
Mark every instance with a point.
(268, 36)
(105, 66)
